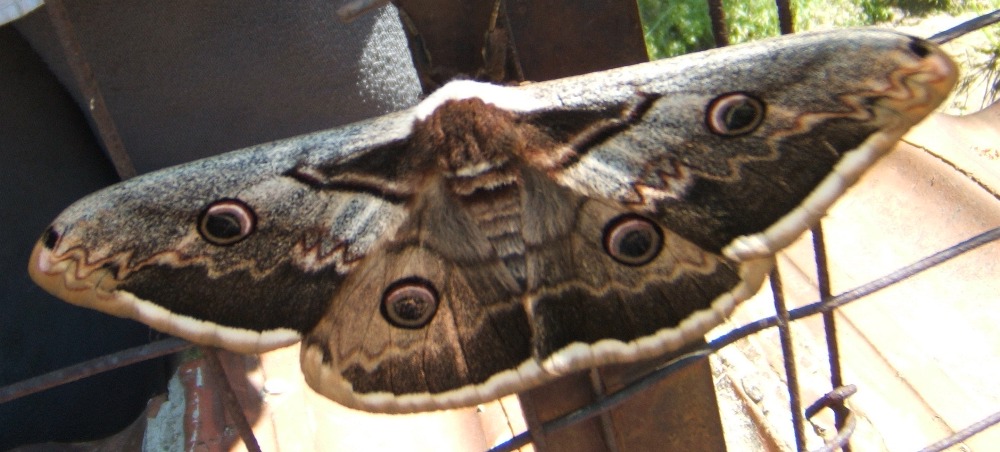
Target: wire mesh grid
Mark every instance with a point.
(826, 305)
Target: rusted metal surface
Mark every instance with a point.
(679, 412)
(92, 367)
(557, 398)
(230, 403)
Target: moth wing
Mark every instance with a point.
(590, 307)
(731, 159)
(142, 249)
(490, 337)
(479, 331)
(733, 155)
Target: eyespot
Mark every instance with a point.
(50, 238)
(410, 303)
(734, 114)
(226, 221)
(919, 47)
(632, 239)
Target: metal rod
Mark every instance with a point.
(717, 16)
(964, 434)
(788, 355)
(829, 324)
(966, 27)
(607, 426)
(92, 367)
(85, 79)
(702, 352)
(786, 20)
(217, 376)
(835, 401)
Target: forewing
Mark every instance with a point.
(656, 137)
(140, 249)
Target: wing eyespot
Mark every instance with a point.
(734, 114)
(410, 303)
(226, 221)
(919, 47)
(633, 240)
(50, 238)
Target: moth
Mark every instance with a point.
(492, 238)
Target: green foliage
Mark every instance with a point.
(989, 71)
(674, 27)
(979, 86)
(921, 7)
(751, 19)
(875, 11)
